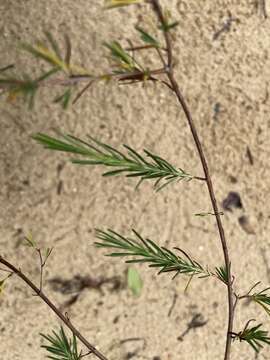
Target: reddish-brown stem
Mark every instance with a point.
(77, 79)
(158, 10)
(65, 319)
(41, 269)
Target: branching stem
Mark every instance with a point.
(170, 73)
(64, 318)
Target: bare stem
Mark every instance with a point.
(64, 318)
(41, 269)
(77, 79)
(170, 73)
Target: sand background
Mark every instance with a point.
(232, 71)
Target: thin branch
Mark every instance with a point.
(41, 269)
(77, 79)
(8, 67)
(170, 73)
(84, 89)
(65, 320)
(142, 47)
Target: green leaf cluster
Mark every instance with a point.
(262, 299)
(131, 164)
(26, 86)
(124, 62)
(254, 336)
(146, 251)
(222, 274)
(50, 52)
(22, 86)
(169, 26)
(60, 347)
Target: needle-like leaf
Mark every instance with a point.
(222, 274)
(147, 38)
(60, 347)
(124, 62)
(23, 86)
(132, 164)
(254, 336)
(262, 299)
(147, 251)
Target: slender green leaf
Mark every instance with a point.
(60, 347)
(145, 250)
(254, 336)
(64, 99)
(147, 38)
(133, 164)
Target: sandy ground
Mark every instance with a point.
(225, 78)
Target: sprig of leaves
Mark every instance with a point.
(222, 274)
(3, 282)
(60, 347)
(124, 62)
(168, 23)
(50, 52)
(147, 38)
(254, 336)
(23, 86)
(26, 86)
(262, 299)
(131, 164)
(146, 251)
(168, 26)
(30, 242)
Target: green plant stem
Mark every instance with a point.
(64, 318)
(170, 73)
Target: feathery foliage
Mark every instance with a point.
(254, 336)
(60, 347)
(132, 164)
(50, 52)
(126, 69)
(169, 26)
(123, 61)
(262, 299)
(23, 85)
(222, 274)
(146, 251)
